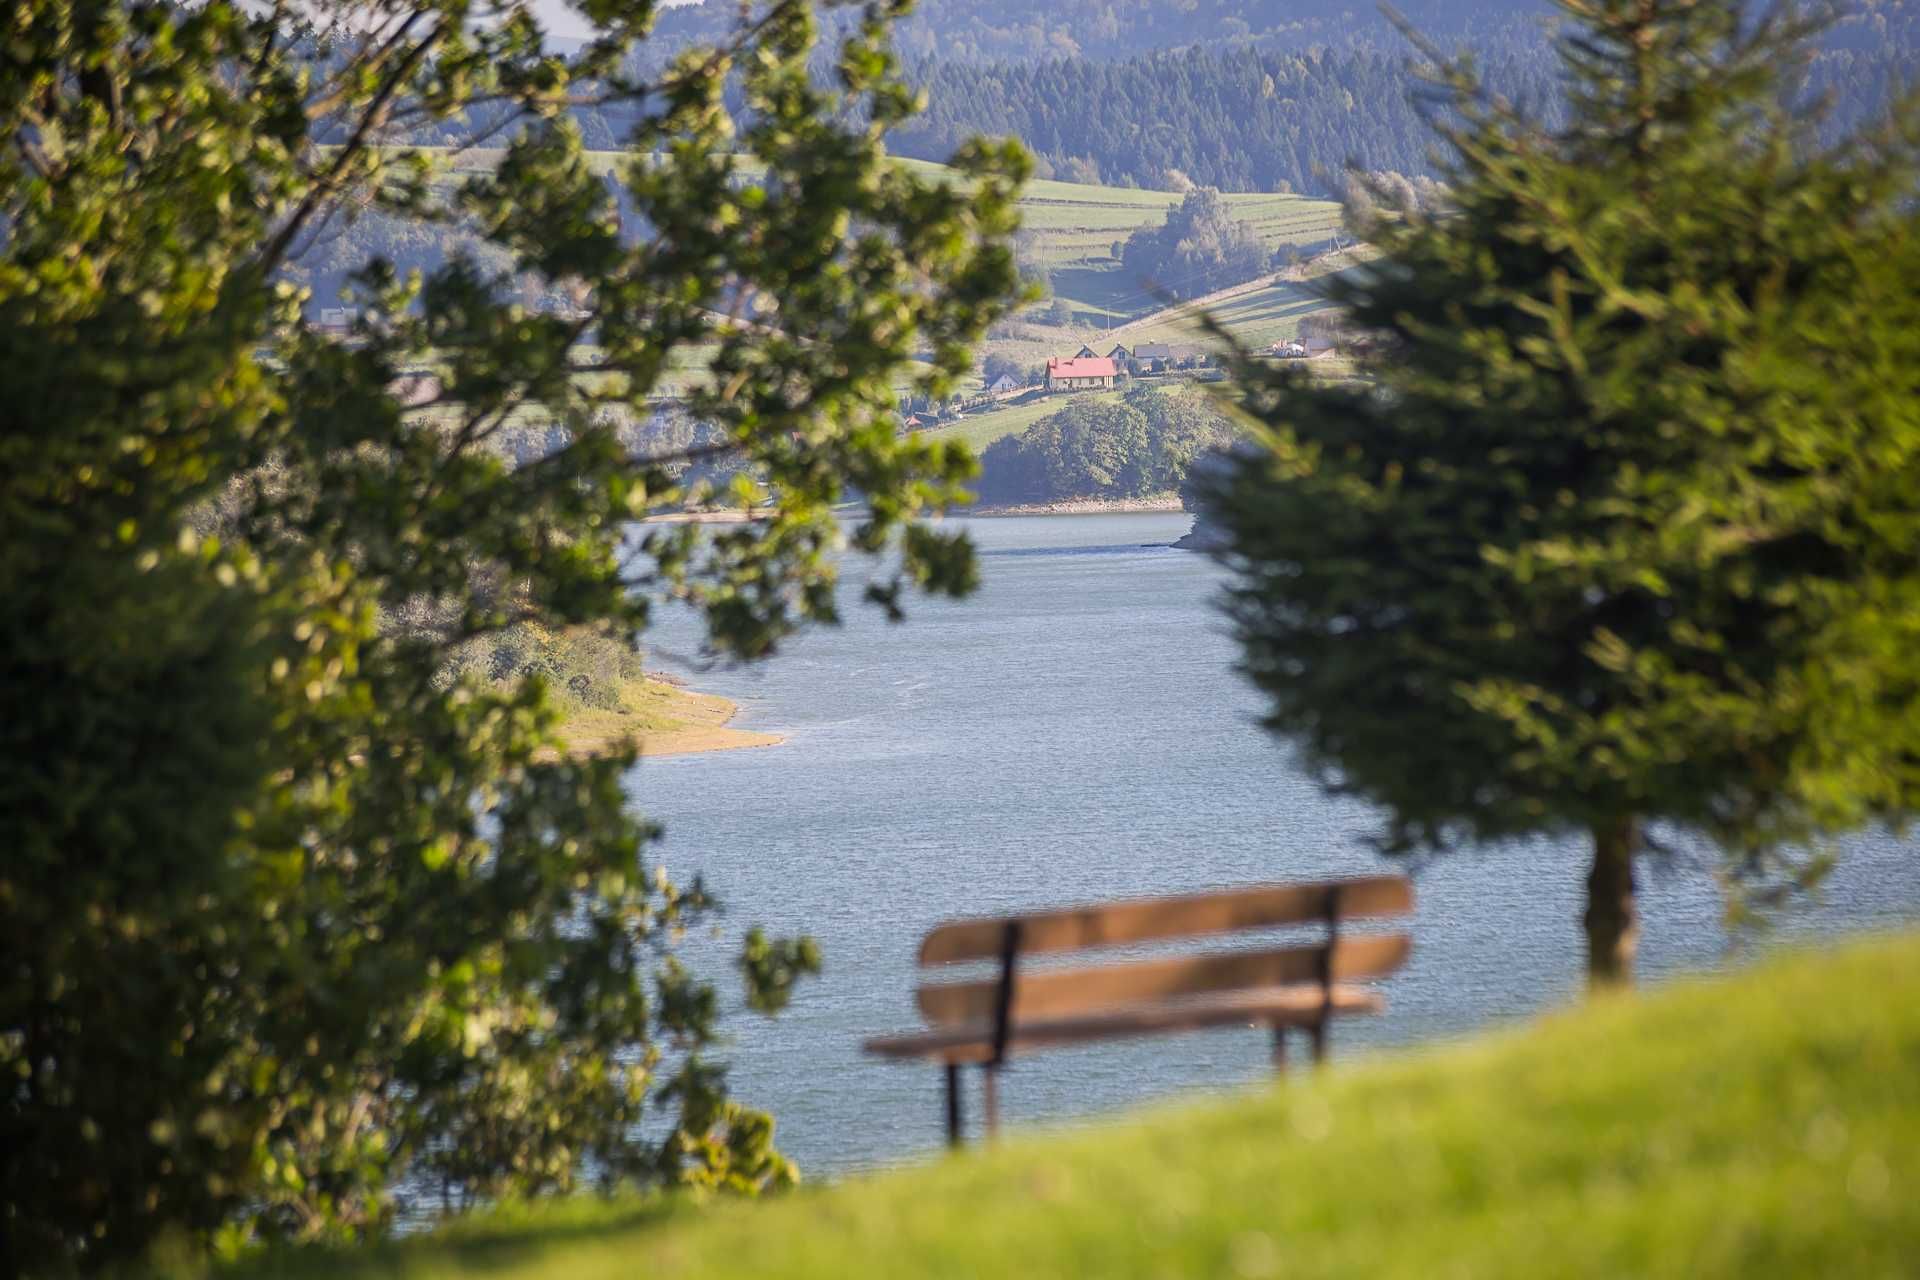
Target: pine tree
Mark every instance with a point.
(1620, 537)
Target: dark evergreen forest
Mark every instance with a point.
(1243, 118)
(1008, 30)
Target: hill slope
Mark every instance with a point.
(1072, 227)
(1762, 1125)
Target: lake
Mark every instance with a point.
(1074, 732)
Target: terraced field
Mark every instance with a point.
(1077, 227)
(1257, 317)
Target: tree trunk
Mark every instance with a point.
(1613, 926)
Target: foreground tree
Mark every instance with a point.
(1622, 532)
(287, 920)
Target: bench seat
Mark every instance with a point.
(1289, 1006)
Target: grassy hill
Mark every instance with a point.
(1766, 1124)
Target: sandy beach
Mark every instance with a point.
(1082, 507)
(1064, 507)
(662, 719)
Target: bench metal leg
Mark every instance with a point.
(1279, 1049)
(954, 1136)
(989, 1082)
(1319, 1033)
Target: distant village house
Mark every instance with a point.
(1081, 373)
(1152, 357)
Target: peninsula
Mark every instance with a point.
(661, 718)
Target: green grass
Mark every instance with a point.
(1256, 318)
(981, 429)
(1763, 1125)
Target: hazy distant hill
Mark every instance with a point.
(1250, 95)
(1003, 30)
(1018, 29)
(1244, 118)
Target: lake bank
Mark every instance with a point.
(661, 718)
(1157, 504)
(1161, 504)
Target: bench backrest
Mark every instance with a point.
(1060, 992)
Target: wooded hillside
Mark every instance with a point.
(1247, 118)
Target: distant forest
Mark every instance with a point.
(1170, 94)
(1245, 119)
(1011, 30)
(1251, 95)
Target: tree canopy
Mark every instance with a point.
(296, 927)
(1619, 537)
(1287, 113)
(1093, 448)
(1199, 248)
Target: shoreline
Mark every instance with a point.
(675, 721)
(1162, 505)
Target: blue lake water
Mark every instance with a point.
(1076, 732)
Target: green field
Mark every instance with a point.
(1759, 1126)
(1256, 318)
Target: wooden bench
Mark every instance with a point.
(983, 1022)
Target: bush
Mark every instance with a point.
(1199, 248)
(581, 667)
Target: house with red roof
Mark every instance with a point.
(1081, 373)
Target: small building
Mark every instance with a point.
(1121, 357)
(1005, 384)
(1086, 353)
(1152, 357)
(1080, 373)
